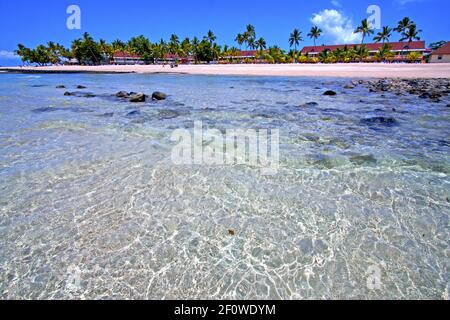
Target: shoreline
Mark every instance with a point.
(351, 70)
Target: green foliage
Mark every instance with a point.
(365, 28)
(384, 35)
(86, 50)
(315, 34)
(436, 45)
(414, 56)
(384, 53)
(142, 46)
(53, 53)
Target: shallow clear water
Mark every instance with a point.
(92, 207)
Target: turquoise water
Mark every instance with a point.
(91, 205)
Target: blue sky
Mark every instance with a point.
(32, 23)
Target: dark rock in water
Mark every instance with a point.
(380, 121)
(61, 87)
(81, 87)
(80, 94)
(363, 159)
(122, 94)
(329, 93)
(309, 105)
(261, 115)
(45, 109)
(330, 110)
(78, 110)
(106, 115)
(134, 113)
(432, 95)
(159, 96)
(168, 114)
(138, 97)
(448, 106)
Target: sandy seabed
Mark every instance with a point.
(353, 70)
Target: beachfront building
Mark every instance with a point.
(125, 58)
(441, 55)
(400, 50)
(170, 58)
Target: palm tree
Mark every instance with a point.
(250, 36)
(195, 43)
(411, 33)
(294, 39)
(384, 53)
(361, 52)
(118, 45)
(240, 39)
(251, 43)
(404, 24)
(261, 44)
(365, 28)
(174, 44)
(315, 33)
(234, 52)
(210, 37)
(383, 36)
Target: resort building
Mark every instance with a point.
(401, 50)
(170, 58)
(441, 55)
(125, 58)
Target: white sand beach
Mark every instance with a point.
(353, 70)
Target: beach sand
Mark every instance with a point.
(353, 70)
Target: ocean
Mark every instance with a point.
(93, 207)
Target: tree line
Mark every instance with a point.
(87, 51)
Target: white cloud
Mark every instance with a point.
(404, 2)
(336, 26)
(336, 3)
(8, 55)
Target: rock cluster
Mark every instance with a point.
(140, 96)
(432, 89)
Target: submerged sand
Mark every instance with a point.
(353, 70)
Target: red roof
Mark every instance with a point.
(247, 53)
(445, 49)
(121, 54)
(395, 46)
